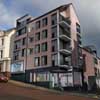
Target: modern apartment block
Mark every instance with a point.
(91, 67)
(6, 50)
(47, 49)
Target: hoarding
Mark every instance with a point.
(17, 67)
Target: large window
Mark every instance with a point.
(31, 39)
(44, 34)
(44, 46)
(44, 21)
(23, 52)
(54, 46)
(44, 60)
(1, 54)
(42, 77)
(21, 31)
(54, 60)
(37, 36)
(38, 24)
(2, 41)
(37, 61)
(54, 32)
(30, 51)
(17, 44)
(23, 41)
(37, 48)
(78, 29)
(54, 19)
(95, 61)
(16, 55)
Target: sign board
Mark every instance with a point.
(17, 67)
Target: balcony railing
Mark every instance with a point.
(65, 62)
(22, 24)
(64, 22)
(64, 32)
(66, 50)
(62, 18)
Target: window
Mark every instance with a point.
(21, 31)
(22, 23)
(44, 60)
(1, 54)
(17, 44)
(37, 24)
(37, 61)
(79, 39)
(78, 28)
(16, 55)
(44, 21)
(44, 34)
(29, 29)
(54, 59)
(31, 39)
(2, 41)
(42, 77)
(80, 50)
(54, 32)
(37, 48)
(70, 79)
(95, 61)
(95, 69)
(30, 51)
(23, 41)
(23, 52)
(44, 46)
(54, 19)
(37, 36)
(54, 45)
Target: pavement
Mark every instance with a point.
(21, 91)
(55, 91)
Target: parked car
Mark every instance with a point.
(3, 78)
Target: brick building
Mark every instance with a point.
(47, 49)
(91, 67)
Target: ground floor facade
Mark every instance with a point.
(50, 77)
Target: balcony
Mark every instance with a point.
(23, 21)
(64, 22)
(64, 35)
(65, 47)
(65, 61)
(20, 25)
(65, 50)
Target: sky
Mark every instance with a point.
(88, 12)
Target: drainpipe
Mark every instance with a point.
(26, 53)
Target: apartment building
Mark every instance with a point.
(47, 49)
(91, 67)
(6, 50)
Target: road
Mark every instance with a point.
(10, 91)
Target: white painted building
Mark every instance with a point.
(6, 49)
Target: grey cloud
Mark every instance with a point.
(6, 17)
(87, 10)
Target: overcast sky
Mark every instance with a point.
(88, 12)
